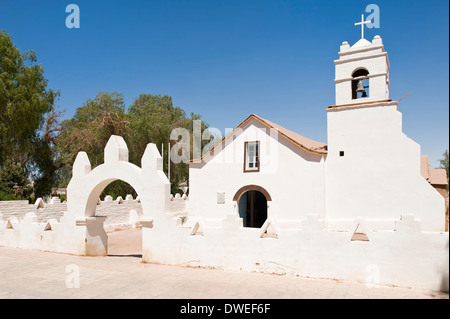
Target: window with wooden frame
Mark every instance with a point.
(251, 157)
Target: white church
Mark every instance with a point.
(362, 207)
(368, 169)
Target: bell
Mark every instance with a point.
(360, 87)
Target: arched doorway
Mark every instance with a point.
(252, 205)
(253, 209)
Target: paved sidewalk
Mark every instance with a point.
(35, 274)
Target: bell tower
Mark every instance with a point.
(362, 72)
(372, 167)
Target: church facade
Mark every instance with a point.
(369, 169)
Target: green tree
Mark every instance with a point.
(89, 130)
(152, 119)
(443, 163)
(91, 127)
(10, 176)
(25, 103)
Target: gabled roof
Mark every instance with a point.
(306, 144)
(437, 176)
(424, 167)
(301, 141)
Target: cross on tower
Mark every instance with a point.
(362, 23)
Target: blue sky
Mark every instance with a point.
(227, 59)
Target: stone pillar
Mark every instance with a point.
(96, 240)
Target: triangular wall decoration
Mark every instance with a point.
(197, 230)
(9, 225)
(268, 230)
(48, 227)
(359, 235)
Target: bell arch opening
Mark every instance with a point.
(360, 83)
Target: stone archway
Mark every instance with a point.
(83, 191)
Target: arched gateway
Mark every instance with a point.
(84, 189)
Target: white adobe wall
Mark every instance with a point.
(293, 178)
(378, 177)
(404, 256)
(62, 236)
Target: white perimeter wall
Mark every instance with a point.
(404, 257)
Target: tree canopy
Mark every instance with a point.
(38, 149)
(90, 128)
(150, 119)
(25, 104)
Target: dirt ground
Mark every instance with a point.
(122, 274)
(125, 242)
